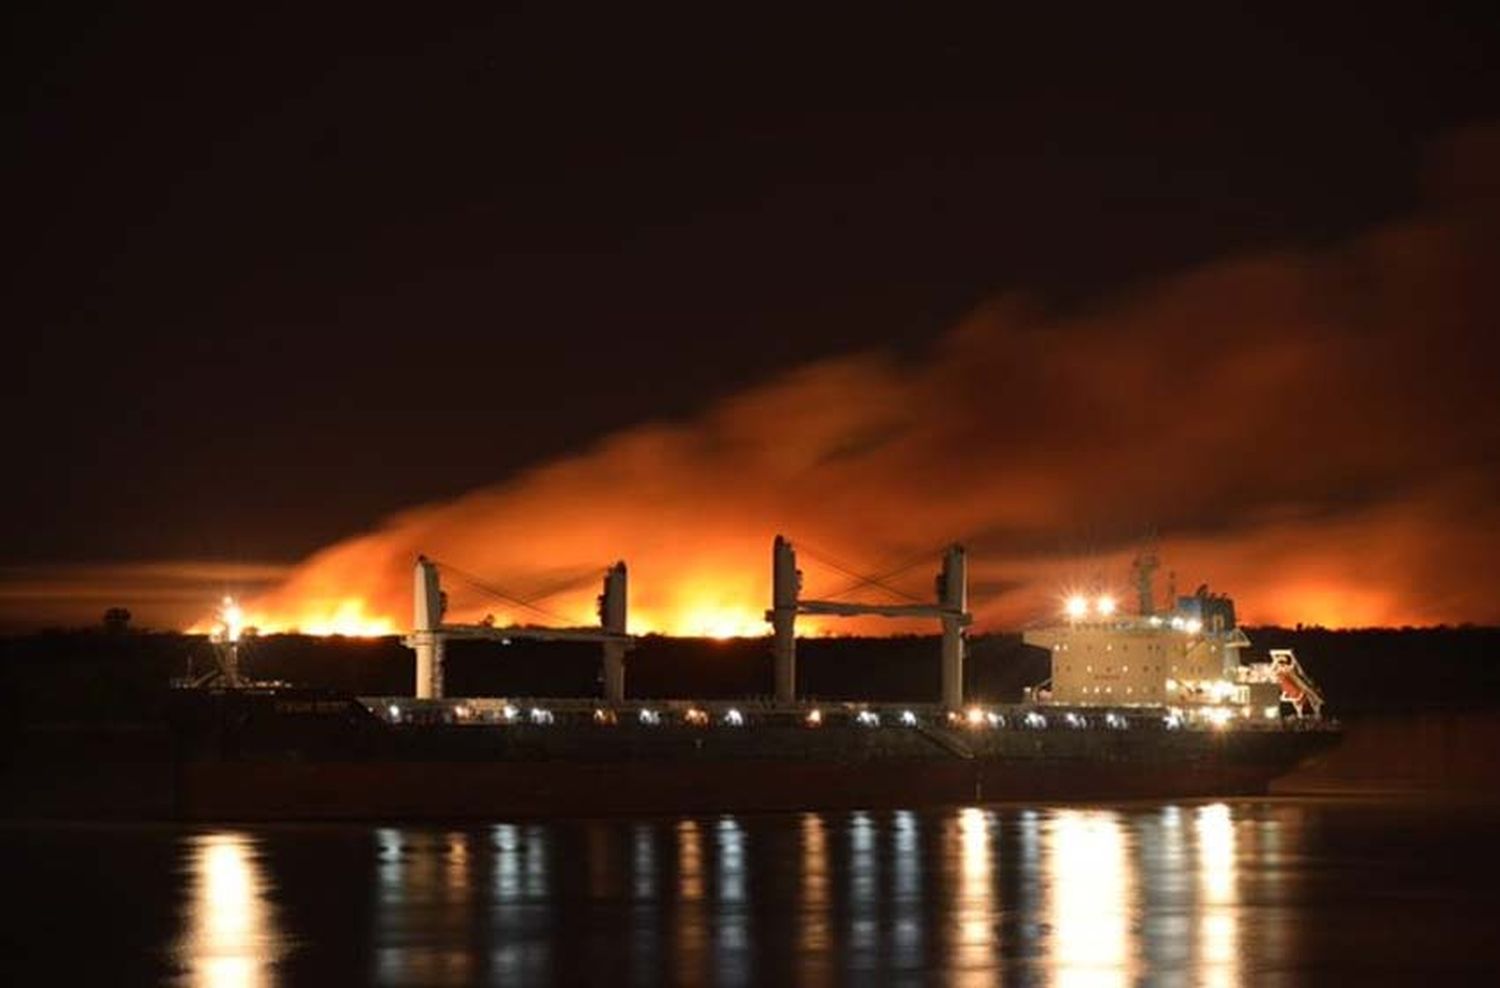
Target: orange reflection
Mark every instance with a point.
(813, 930)
(692, 926)
(603, 869)
(232, 937)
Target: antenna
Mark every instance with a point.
(1145, 567)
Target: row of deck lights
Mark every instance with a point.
(974, 718)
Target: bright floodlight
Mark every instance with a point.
(1105, 605)
(231, 621)
(1077, 606)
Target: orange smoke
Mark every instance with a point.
(1316, 432)
(1313, 431)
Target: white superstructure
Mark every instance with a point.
(1187, 659)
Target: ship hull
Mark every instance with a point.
(316, 756)
(452, 791)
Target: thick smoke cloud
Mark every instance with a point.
(1313, 430)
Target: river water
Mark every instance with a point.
(1262, 891)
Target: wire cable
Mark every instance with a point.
(479, 584)
(860, 578)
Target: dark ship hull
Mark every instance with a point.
(264, 755)
(294, 755)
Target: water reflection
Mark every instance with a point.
(424, 926)
(814, 905)
(645, 914)
(1218, 898)
(974, 913)
(734, 961)
(972, 895)
(905, 894)
(690, 928)
(864, 900)
(1091, 883)
(521, 940)
(232, 937)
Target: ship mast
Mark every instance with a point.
(1144, 568)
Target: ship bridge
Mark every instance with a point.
(1187, 659)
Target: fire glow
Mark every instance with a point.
(348, 617)
(1320, 450)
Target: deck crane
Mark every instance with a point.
(430, 632)
(951, 609)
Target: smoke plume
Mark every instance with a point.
(1313, 430)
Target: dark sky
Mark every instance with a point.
(284, 272)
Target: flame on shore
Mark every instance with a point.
(348, 616)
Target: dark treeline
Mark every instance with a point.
(69, 676)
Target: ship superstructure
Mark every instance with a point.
(1186, 659)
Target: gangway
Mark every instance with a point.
(951, 609)
(1297, 687)
(430, 632)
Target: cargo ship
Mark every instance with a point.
(1156, 703)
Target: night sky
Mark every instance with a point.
(658, 289)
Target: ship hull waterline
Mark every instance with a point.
(267, 791)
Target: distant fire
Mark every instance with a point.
(1308, 431)
(1313, 432)
(348, 616)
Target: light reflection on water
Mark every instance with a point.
(1218, 897)
(975, 903)
(1094, 896)
(231, 936)
(1091, 898)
